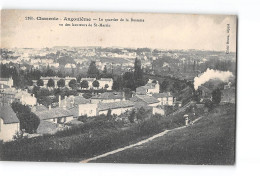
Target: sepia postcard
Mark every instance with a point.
(97, 87)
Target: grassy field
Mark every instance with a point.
(209, 141)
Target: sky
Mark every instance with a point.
(162, 31)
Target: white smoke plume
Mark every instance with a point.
(210, 74)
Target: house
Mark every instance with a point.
(7, 81)
(72, 101)
(9, 123)
(55, 115)
(116, 108)
(164, 98)
(89, 109)
(145, 101)
(25, 98)
(151, 87)
(105, 83)
(9, 95)
(95, 109)
(108, 97)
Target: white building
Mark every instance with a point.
(151, 87)
(25, 98)
(116, 108)
(108, 97)
(9, 123)
(103, 82)
(7, 81)
(164, 98)
(89, 109)
(55, 115)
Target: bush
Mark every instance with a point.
(150, 126)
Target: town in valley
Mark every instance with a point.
(73, 103)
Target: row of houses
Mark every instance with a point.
(70, 108)
(104, 83)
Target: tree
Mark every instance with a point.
(138, 73)
(106, 86)
(28, 120)
(93, 70)
(129, 81)
(39, 82)
(216, 96)
(154, 81)
(131, 117)
(105, 70)
(49, 72)
(35, 90)
(84, 84)
(50, 83)
(73, 83)
(61, 83)
(141, 114)
(164, 85)
(96, 84)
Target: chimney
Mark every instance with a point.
(49, 107)
(123, 95)
(59, 100)
(65, 104)
(33, 95)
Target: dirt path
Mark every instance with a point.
(137, 144)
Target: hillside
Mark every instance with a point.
(209, 141)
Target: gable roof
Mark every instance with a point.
(3, 86)
(161, 95)
(53, 113)
(88, 79)
(115, 105)
(106, 79)
(145, 98)
(39, 108)
(8, 115)
(5, 79)
(77, 100)
(109, 95)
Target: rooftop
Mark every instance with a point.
(145, 98)
(39, 108)
(109, 95)
(8, 115)
(5, 79)
(115, 105)
(53, 113)
(161, 95)
(88, 79)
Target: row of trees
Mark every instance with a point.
(72, 84)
